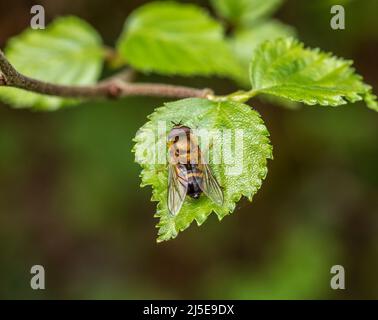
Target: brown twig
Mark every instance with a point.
(113, 87)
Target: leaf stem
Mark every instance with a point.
(113, 59)
(238, 96)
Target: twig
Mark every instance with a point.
(113, 87)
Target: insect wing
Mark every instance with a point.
(209, 185)
(177, 188)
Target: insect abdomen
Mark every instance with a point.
(194, 179)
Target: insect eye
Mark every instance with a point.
(177, 152)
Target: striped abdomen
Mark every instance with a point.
(194, 175)
(184, 153)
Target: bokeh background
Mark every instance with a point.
(70, 197)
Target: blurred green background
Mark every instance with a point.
(70, 197)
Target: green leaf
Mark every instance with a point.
(285, 68)
(173, 38)
(246, 40)
(206, 115)
(245, 12)
(68, 51)
(371, 101)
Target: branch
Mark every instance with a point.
(113, 87)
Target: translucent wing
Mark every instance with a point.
(177, 187)
(209, 185)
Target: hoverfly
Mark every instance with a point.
(187, 173)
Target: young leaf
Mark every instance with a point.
(240, 177)
(245, 12)
(67, 52)
(173, 38)
(371, 101)
(246, 40)
(285, 68)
